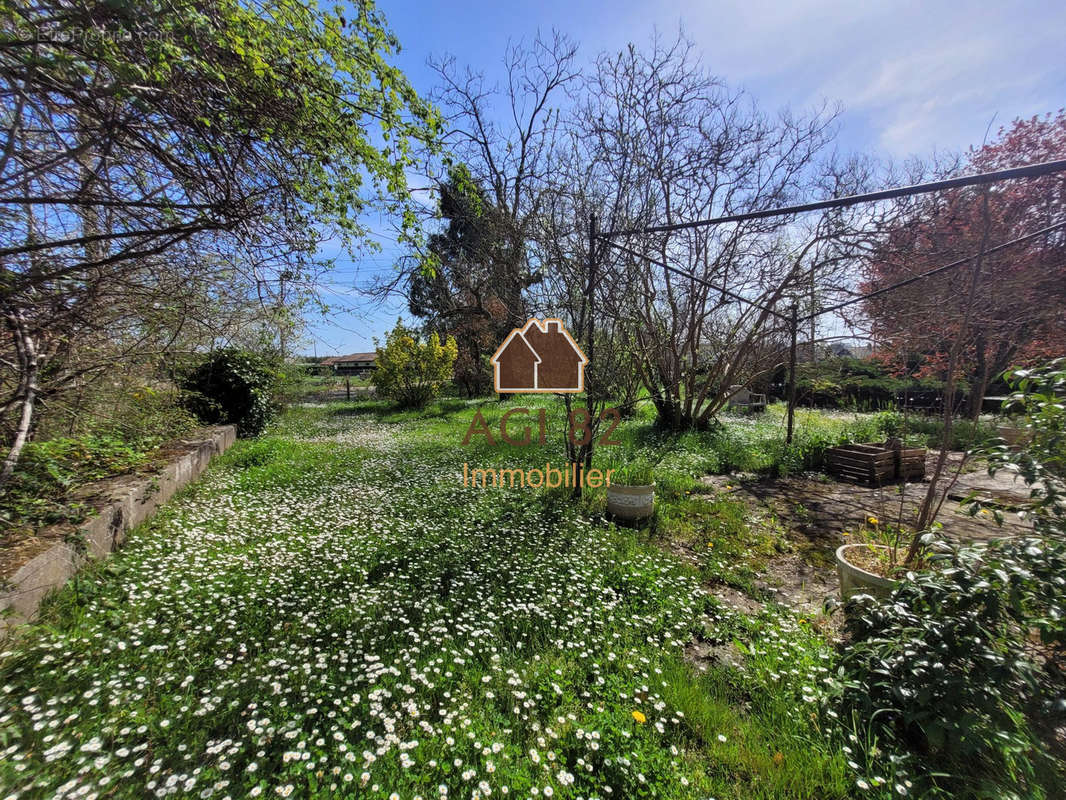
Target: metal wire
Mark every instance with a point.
(695, 278)
(1028, 171)
(934, 271)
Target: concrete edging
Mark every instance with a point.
(128, 507)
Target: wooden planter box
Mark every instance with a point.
(875, 464)
(1014, 436)
(861, 463)
(911, 464)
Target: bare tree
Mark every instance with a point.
(682, 146)
(577, 288)
(471, 274)
(506, 136)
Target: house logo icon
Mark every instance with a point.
(541, 356)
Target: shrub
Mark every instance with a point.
(856, 383)
(923, 431)
(410, 372)
(233, 386)
(959, 671)
(146, 415)
(299, 380)
(1038, 396)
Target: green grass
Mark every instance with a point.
(731, 546)
(749, 443)
(330, 613)
(926, 431)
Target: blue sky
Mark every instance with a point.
(913, 77)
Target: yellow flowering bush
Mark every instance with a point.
(411, 372)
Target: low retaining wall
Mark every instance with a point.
(130, 503)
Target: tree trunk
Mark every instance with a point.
(980, 384)
(927, 512)
(29, 367)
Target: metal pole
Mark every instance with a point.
(593, 235)
(348, 386)
(582, 454)
(794, 324)
(813, 315)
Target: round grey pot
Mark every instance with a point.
(630, 502)
(855, 580)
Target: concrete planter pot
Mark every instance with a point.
(856, 580)
(630, 502)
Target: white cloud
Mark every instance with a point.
(913, 76)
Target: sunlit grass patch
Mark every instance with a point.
(730, 544)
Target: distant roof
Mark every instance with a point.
(346, 359)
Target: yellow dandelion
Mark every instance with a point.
(872, 520)
(639, 717)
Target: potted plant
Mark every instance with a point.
(631, 492)
(859, 567)
(871, 564)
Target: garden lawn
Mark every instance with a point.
(330, 613)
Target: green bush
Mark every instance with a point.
(235, 387)
(146, 415)
(855, 383)
(1038, 397)
(957, 676)
(412, 372)
(923, 431)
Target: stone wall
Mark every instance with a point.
(130, 501)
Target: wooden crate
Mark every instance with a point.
(862, 463)
(911, 464)
(875, 464)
